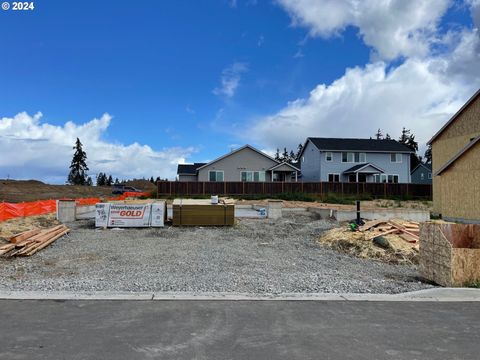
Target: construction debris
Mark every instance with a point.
(392, 241)
(29, 242)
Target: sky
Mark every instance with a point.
(149, 84)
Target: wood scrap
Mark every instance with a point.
(409, 229)
(29, 242)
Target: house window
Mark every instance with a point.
(422, 176)
(348, 157)
(215, 175)
(384, 178)
(430, 176)
(328, 156)
(362, 157)
(303, 158)
(396, 158)
(258, 176)
(333, 177)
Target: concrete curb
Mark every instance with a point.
(432, 295)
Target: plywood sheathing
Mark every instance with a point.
(450, 253)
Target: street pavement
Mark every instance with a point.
(217, 329)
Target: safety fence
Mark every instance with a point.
(237, 188)
(41, 207)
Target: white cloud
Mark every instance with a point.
(44, 151)
(391, 27)
(421, 93)
(230, 79)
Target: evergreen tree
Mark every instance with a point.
(100, 179)
(152, 180)
(299, 151)
(109, 181)
(157, 180)
(78, 166)
(428, 154)
(291, 157)
(408, 139)
(89, 181)
(388, 137)
(116, 181)
(379, 135)
(277, 155)
(284, 156)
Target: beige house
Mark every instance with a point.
(245, 164)
(456, 165)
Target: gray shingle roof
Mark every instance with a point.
(189, 169)
(347, 144)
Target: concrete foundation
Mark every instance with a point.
(85, 212)
(66, 210)
(275, 209)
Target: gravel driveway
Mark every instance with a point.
(255, 256)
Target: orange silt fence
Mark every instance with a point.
(41, 207)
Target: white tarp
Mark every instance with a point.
(158, 214)
(130, 215)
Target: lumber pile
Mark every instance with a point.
(407, 230)
(29, 242)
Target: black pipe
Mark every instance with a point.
(358, 213)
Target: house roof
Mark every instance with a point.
(457, 114)
(188, 169)
(428, 167)
(350, 144)
(286, 164)
(458, 155)
(360, 167)
(235, 151)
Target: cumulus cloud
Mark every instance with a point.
(391, 27)
(230, 79)
(31, 148)
(420, 93)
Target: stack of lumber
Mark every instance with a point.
(407, 230)
(192, 212)
(29, 242)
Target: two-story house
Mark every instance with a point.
(355, 160)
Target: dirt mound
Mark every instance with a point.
(32, 190)
(357, 244)
(141, 184)
(18, 225)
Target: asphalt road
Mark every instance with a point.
(47, 329)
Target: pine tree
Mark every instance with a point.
(379, 135)
(428, 154)
(277, 155)
(291, 157)
(78, 166)
(157, 179)
(299, 151)
(152, 180)
(109, 181)
(388, 137)
(100, 179)
(116, 181)
(408, 139)
(89, 181)
(284, 155)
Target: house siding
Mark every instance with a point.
(417, 175)
(316, 168)
(185, 178)
(448, 143)
(310, 165)
(233, 164)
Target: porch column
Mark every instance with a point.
(296, 176)
(357, 177)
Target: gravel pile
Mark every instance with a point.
(255, 256)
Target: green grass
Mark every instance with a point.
(474, 284)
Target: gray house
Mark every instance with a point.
(355, 160)
(243, 164)
(422, 174)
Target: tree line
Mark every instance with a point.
(78, 174)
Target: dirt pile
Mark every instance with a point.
(14, 226)
(358, 244)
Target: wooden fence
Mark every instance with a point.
(237, 188)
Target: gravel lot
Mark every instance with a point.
(255, 256)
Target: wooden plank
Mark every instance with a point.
(404, 230)
(409, 238)
(369, 224)
(23, 235)
(382, 234)
(6, 248)
(46, 243)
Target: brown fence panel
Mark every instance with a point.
(377, 190)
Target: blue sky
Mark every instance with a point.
(191, 79)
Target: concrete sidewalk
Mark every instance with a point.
(437, 294)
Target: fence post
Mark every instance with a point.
(243, 188)
(170, 187)
(283, 186)
(408, 194)
(384, 190)
(343, 194)
(263, 188)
